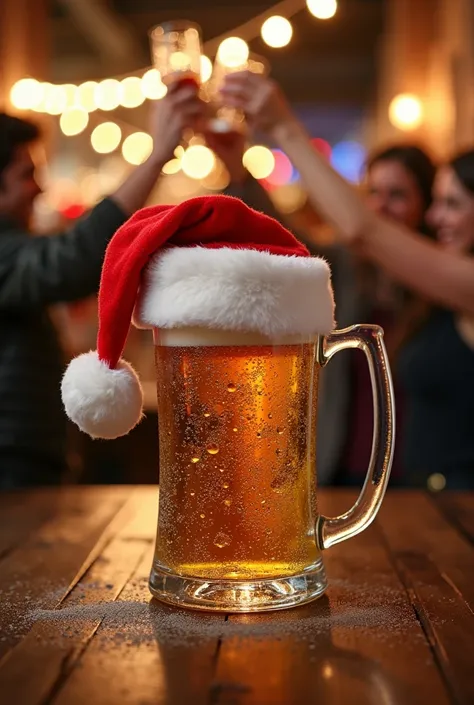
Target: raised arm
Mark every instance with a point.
(37, 271)
(445, 278)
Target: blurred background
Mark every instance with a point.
(359, 73)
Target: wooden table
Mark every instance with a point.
(396, 626)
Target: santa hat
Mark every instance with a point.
(210, 262)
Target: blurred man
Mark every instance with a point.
(36, 272)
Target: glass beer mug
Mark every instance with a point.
(239, 528)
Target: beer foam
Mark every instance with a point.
(207, 337)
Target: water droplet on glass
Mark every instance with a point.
(227, 502)
(231, 387)
(192, 494)
(195, 459)
(207, 414)
(225, 485)
(212, 449)
(263, 501)
(270, 415)
(259, 435)
(235, 430)
(203, 516)
(280, 430)
(222, 540)
(221, 469)
(278, 451)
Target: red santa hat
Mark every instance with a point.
(211, 262)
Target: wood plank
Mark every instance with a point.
(436, 565)
(20, 514)
(166, 656)
(41, 570)
(458, 507)
(362, 643)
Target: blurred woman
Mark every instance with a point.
(436, 356)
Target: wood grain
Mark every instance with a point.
(459, 509)
(435, 563)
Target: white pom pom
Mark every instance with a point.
(104, 403)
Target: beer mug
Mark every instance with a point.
(239, 528)
(243, 323)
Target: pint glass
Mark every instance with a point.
(239, 528)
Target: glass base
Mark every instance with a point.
(258, 595)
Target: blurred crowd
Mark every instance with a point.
(401, 256)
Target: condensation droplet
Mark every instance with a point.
(259, 435)
(212, 449)
(221, 469)
(278, 451)
(227, 502)
(280, 430)
(192, 494)
(207, 414)
(225, 485)
(195, 459)
(231, 387)
(235, 430)
(263, 501)
(203, 516)
(221, 540)
(270, 415)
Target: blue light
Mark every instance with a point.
(348, 158)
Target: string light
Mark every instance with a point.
(107, 94)
(131, 93)
(55, 100)
(137, 148)
(277, 31)
(198, 161)
(70, 91)
(206, 68)
(85, 96)
(233, 52)
(152, 86)
(259, 161)
(26, 94)
(172, 167)
(74, 121)
(406, 112)
(106, 137)
(322, 9)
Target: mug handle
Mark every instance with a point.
(369, 338)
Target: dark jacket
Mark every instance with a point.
(36, 272)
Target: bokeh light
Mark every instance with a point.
(206, 68)
(289, 198)
(85, 96)
(406, 112)
(152, 86)
(172, 167)
(282, 171)
(137, 147)
(322, 9)
(73, 121)
(322, 147)
(198, 161)
(348, 158)
(106, 137)
(107, 94)
(233, 52)
(131, 93)
(259, 161)
(55, 99)
(26, 94)
(277, 31)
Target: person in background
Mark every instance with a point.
(436, 357)
(36, 272)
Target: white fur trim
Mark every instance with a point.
(236, 289)
(104, 403)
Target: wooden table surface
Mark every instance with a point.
(78, 626)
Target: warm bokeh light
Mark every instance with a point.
(206, 68)
(55, 99)
(172, 167)
(85, 96)
(218, 179)
(322, 9)
(131, 93)
(107, 94)
(233, 52)
(282, 171)
(26, 94)
(198, 161)
(180, 61)
(106, 137)
(73, 121)
(277, 31)
(406, 112)
(70, 90)
(289, 198)
(259, 161)
(322, 147)
(137, 148)
(152, 86)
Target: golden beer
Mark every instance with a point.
(237, 460)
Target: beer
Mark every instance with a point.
(237, 460)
